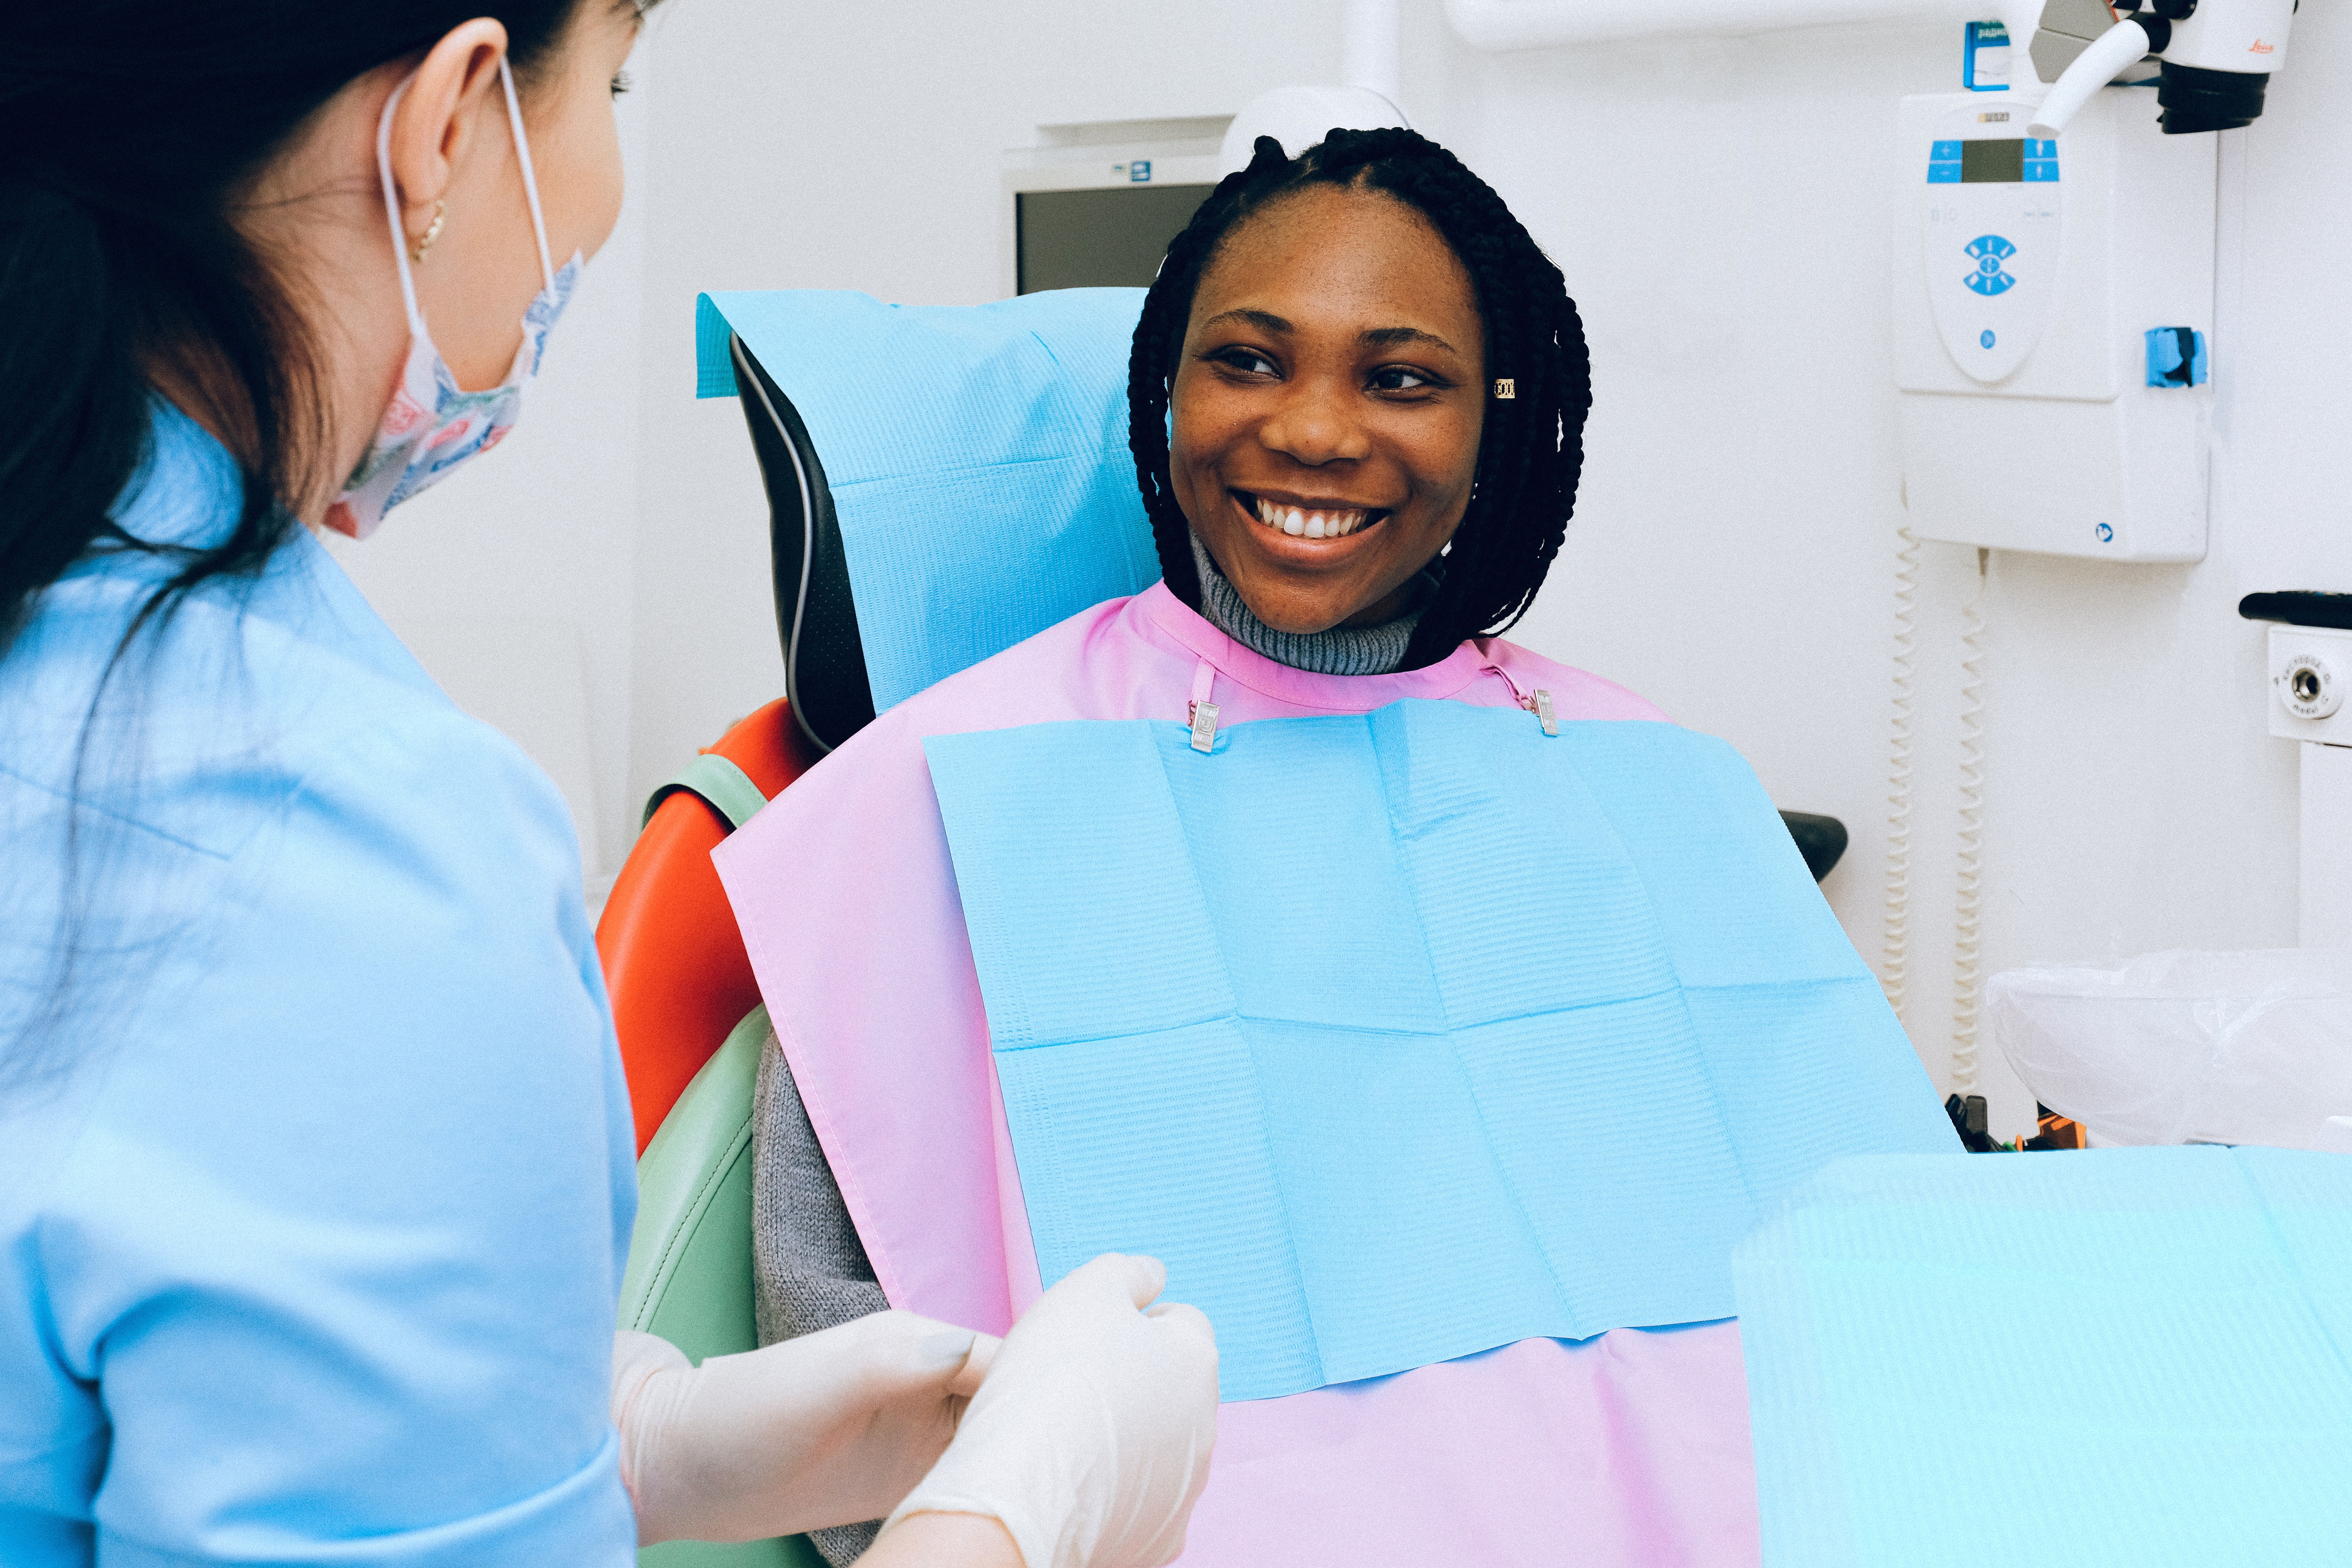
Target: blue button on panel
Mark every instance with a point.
(2039, 149)
(1984, 340)
(1989, 251)
(1945, 152)
(1943, 173)
(2041, 172)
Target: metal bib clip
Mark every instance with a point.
(1204, 726)
(1202, 711)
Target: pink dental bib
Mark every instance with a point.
(1630, 1448)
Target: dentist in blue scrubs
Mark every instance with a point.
(315, 1156)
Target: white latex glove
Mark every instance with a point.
(829, 1428)
(1090, 1439)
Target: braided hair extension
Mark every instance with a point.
(1532, 449)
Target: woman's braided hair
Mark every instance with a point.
(1533, 446)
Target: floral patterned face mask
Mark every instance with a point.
(430, 426)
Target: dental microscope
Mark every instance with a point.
(2211, 58)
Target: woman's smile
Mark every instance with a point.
(1299, 517)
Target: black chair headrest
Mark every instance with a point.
(824, 663)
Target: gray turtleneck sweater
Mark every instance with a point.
(1343, 650)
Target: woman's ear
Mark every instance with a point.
(437, 117)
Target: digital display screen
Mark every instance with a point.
(1106, 238)
(1992, 163)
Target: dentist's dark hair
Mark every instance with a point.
(1533, 446)
(130, 133)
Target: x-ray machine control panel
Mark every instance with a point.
(1992, 233)
(2053, 301)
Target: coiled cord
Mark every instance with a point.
(1964, 900)
(1898, 780)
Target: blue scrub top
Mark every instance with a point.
(315, 1171)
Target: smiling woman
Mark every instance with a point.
(1356, 392)
(1378, 386)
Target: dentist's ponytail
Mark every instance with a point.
(73, 416)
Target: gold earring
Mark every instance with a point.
(416, 249)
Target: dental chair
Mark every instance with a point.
(684, 1000)
(691, 1026)
(937, 410)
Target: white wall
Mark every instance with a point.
(1722, 210)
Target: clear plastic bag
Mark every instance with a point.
(2187, 1048)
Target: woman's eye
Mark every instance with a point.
(621, 83)
(1249, 361)
(1397, 378)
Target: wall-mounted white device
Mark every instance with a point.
(2053, 304)
(2310, 670)
(1096, 204)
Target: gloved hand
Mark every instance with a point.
(1090, 1439)
(829, 1428)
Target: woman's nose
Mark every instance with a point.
(1316, 423)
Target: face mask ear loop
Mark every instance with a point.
(392, 208)
(530, 178)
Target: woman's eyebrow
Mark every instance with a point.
(1267, 319)
(1390, 337)
(1379, 337)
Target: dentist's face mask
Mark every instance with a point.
(431, 426)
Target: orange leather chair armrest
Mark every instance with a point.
(674, 962)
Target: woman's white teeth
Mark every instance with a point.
(1299, 520)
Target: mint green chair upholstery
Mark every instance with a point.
(689, 1274)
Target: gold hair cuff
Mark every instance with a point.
(1504, 386)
